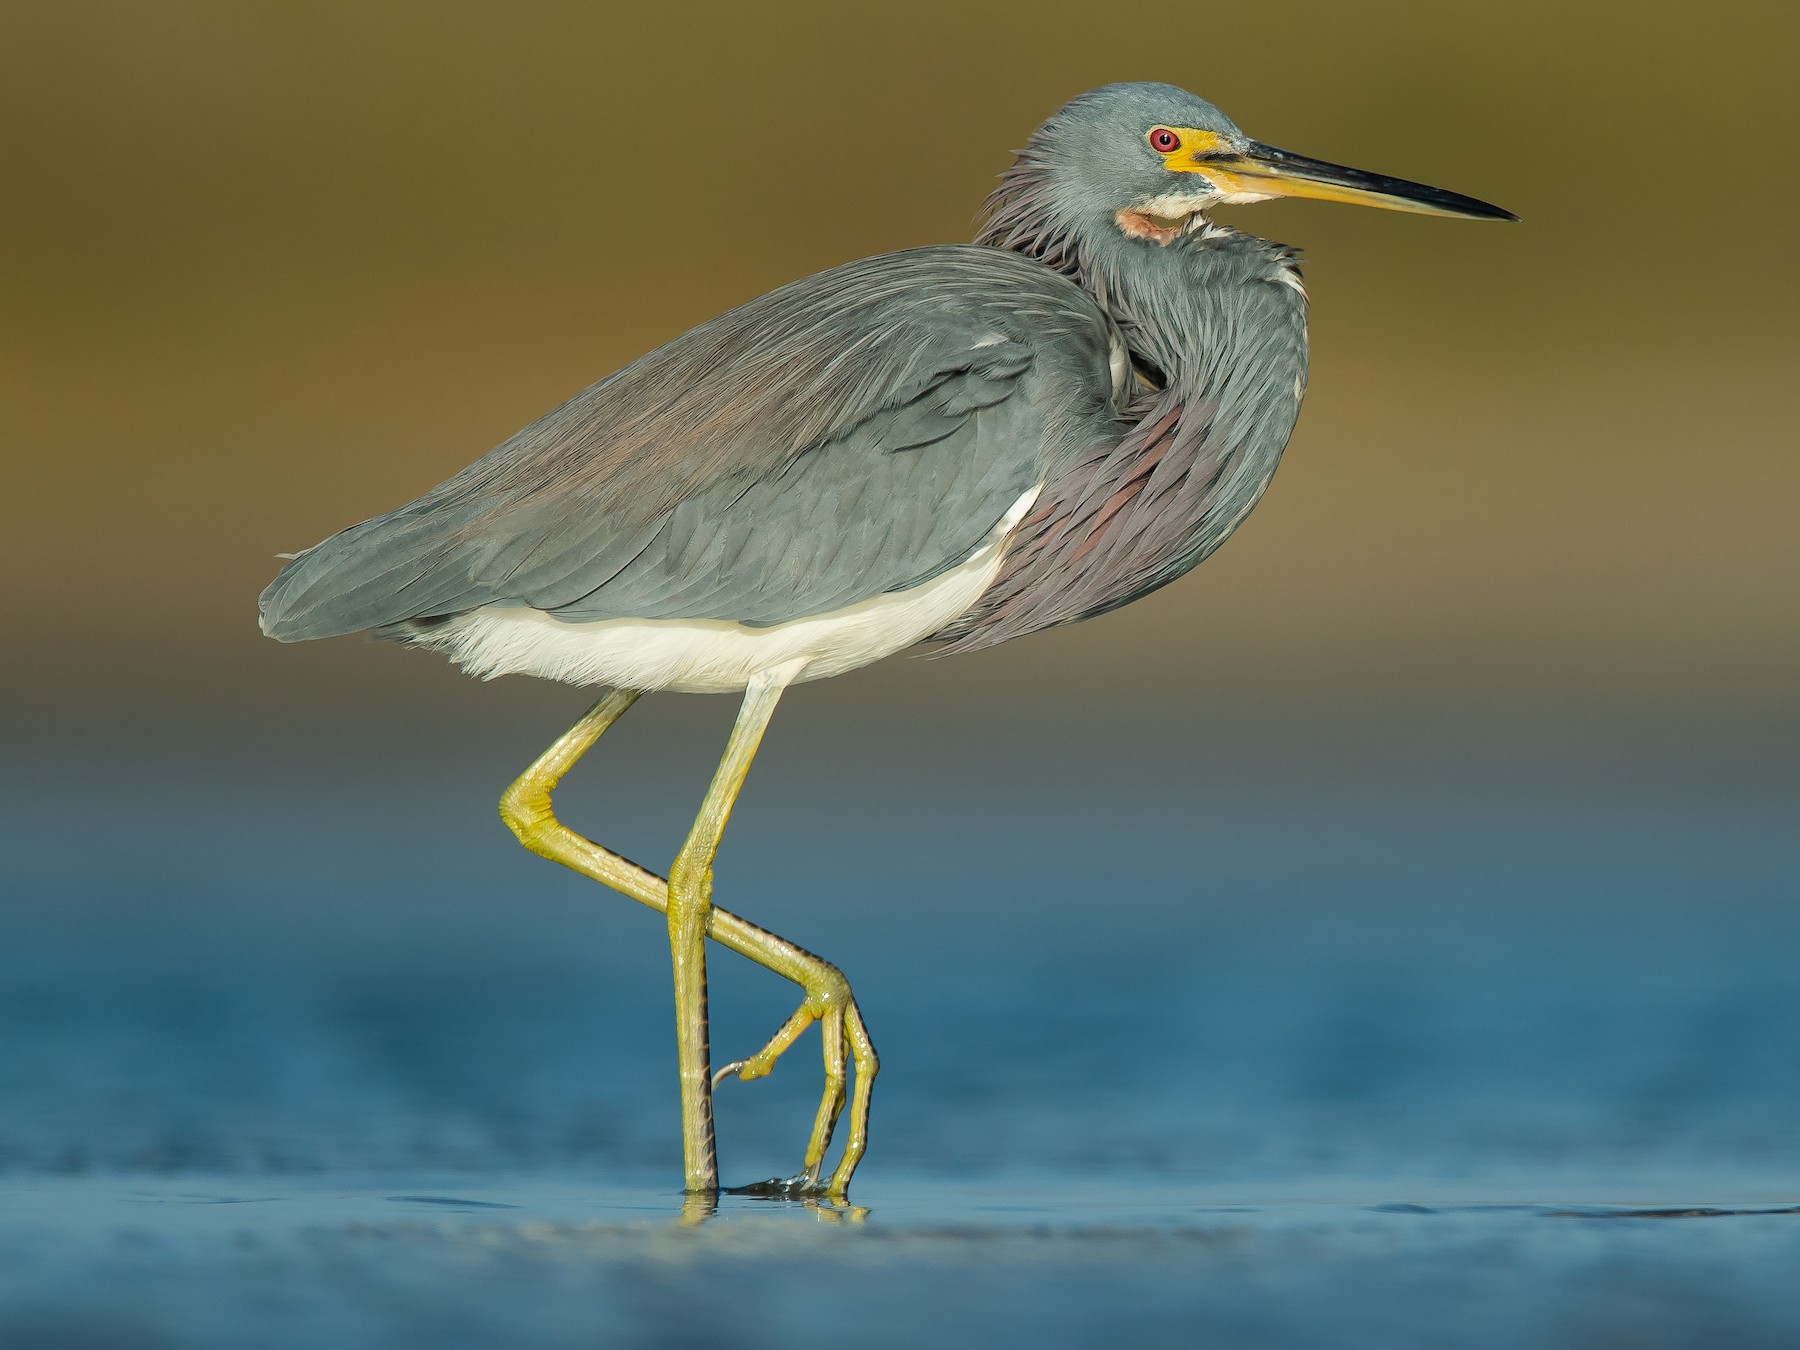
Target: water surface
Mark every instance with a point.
(1289, 1068)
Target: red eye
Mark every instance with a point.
(1163, 141)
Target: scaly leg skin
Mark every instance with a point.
(690, 904)
(527, 811)
(829, 1003)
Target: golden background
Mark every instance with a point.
(271, 268)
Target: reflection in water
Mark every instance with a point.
(699, 1206)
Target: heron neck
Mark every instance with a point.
(1195, 312)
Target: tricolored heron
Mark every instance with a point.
(959, 444)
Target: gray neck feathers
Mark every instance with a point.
(1217, 320)
(1204, 313)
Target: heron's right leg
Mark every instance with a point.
(526, 809)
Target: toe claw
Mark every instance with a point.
(729, 1071)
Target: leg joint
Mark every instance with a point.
(828, 991)
(690, 883)
(690, 899)
(525, 812)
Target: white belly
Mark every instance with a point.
(711, 656)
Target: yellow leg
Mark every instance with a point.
(527, 811)
(829, 1003)
(690, 905)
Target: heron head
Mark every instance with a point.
(1150, 159)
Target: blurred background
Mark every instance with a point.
(1446, 816)
(273, 268)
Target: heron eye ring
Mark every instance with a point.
(1164, 141)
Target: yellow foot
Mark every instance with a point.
(829, 1003)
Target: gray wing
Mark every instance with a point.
(854, 433)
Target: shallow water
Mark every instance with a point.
(1347, 1068)
(569, 1261)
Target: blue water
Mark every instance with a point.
(1339, 1062)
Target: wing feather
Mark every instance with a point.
(854, 433)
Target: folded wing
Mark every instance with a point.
(855, 433)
